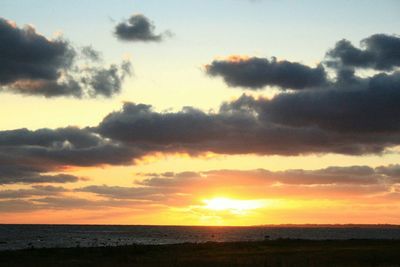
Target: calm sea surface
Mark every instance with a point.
(39, 236)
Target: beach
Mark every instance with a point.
(270, 253)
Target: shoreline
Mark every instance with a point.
(283, 252)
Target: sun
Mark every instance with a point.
(233, 205)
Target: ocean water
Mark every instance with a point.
(40, 236)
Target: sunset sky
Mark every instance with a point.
(200, 112)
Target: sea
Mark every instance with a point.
(14, 237)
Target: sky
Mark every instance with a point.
(227, 112)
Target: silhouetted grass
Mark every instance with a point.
(282, 253)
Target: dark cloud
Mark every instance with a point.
(69, 136)
(367, 106)
(63, 146)
(107, 82)
(28, 55)
(256, 73)
(392, 170)
(379, 51)
(138, 28)
(28, 156)
(139, 123)
(34, 65)
(19, 166)
(240, 127)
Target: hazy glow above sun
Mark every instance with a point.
(234, 205)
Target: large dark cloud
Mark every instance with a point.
(379, 51)
(246, 125)
(368, 105)
(139, 123)
(256, 73)
(138, 28)
(31, 64)
(194, 131)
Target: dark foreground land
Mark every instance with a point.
(267, 253)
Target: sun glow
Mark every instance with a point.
(233, 205)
